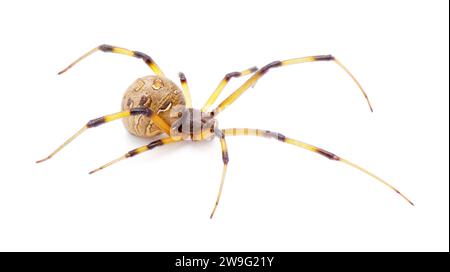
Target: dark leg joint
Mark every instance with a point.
(323, 57)
(232, 74)
(143, 110)
(274, 64)
(182, 77)
(131, 153)
(154, 144)
(95, 122)
(238, 74)
(106, 48)
(281, 137)
(146, 58)
(327, 154)
(225, 157)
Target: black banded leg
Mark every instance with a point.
(114, 49)
(137, 151)
(255, 77)
(323, 152)
(222, 85)
(111, 117)
(185, 89)
(225, 159)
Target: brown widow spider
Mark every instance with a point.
(154, 105)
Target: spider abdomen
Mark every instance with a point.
(157, 93)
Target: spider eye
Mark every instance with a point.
(180, 128)
(165, 107)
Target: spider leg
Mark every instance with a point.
(138, 150)
(222, 85)
(111, 117)
(255, 77)
(114, 49)
(225, 159)
(185, 88)
(327, 154)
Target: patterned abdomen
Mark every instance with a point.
(157, 93)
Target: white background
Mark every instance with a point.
(276, 197)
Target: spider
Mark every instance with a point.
(155, 106)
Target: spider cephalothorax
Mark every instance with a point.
(193, 124)
(154, 105)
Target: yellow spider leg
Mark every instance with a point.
(113, 49)
(327, 154)
(225, 159)
(138, 150)
(111, 117)
(185, 88)
(252, 80)
(222, 85)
